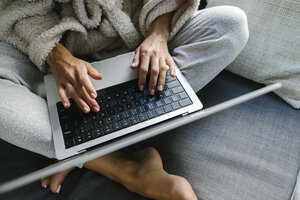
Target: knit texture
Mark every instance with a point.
(273, 51)
(98, 28)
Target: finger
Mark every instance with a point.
(171, 65)
(78, 100)
(143, 69)
(86, 82)
(136, 59)
(154, 74)
(93, 72)
(162, 75)
(63, 96)
(91, 102)
(45, 182)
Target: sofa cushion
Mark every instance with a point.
(250, 151)
(273, 51)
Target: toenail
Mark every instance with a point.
(58, 189)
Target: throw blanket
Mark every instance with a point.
(98, 28)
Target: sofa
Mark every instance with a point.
(250, 152)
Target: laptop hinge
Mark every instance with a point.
(185, 114)
(81, 151)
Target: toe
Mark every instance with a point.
(45, 182)
(57, 180)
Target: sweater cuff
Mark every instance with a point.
(41, 46)
(184, 10)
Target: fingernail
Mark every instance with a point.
(86, 110)
(96, 109)
(93, 95)
(58, 189)
(141, 87)
(152, 92)
(66, 104)
(45, 186)
(160, 88)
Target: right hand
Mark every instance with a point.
(72, 79)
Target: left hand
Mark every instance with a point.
(154, 52)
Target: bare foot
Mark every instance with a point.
(55, 180)
(142, 172)
(152, 181)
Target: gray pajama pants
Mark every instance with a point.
(206, 44)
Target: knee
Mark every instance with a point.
(230, 25)
(233, 23)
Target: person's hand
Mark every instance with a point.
(72, 79)
(154, 52)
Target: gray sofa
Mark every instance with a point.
(250, 151)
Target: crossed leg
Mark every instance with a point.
(140, 172)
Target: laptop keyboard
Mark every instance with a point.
(121, 106)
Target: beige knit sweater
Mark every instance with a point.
(98, 28)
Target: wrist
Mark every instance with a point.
(59, 53)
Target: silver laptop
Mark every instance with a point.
(123, 108)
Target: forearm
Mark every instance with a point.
(161, 26)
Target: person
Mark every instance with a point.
(57, 36)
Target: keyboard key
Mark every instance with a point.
(151, 105)
(144, 100)
(108, 129)
(168, 108)
(175, 105)
(98, 132)
(125, 123)
(177, 89)
(69, 143)
(126, 114)
(183, 95)
(185, 102)
(151, 114)
(119, 109)
(143, 108)
(102, 114)
(173, 84)
(108, 120)
(117, 126)
(159, 103)
(135, 111)
(175, 98)
(160, 95)
(81, 129)
(88, 136)
(134, 120)
(94, 117)
(117, 117)
(79, 139)
(136, 103)
(132, 97)
(152, 98)
(167, 100)
(168, 93)
(99, 123)
(170, 78)
(159, 111)
(117, 95)
(108, 97)
(111, 112)
(70, 133)
(143, 117)
(89, 127)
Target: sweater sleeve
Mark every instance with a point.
(184, 10)
(34, 28)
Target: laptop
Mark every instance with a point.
(123, 107)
